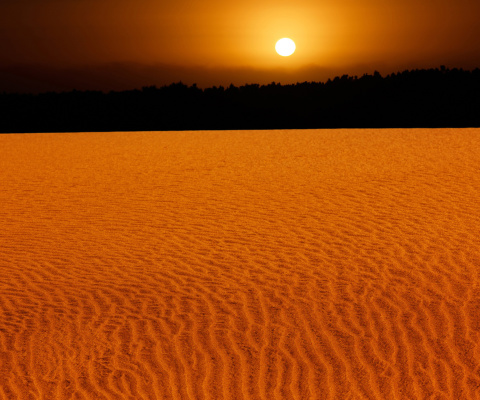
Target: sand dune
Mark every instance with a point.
(240, 265)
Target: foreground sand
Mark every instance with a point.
(240, 265)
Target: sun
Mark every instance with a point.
(285, 47)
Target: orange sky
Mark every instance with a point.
(97, 43)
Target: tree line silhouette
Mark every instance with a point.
(438, 97)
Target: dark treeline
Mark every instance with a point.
(418, 98)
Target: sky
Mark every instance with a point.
(125, 44)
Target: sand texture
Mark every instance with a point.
(336, 264)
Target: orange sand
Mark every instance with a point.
(240, 265)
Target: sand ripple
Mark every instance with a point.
(240, 265)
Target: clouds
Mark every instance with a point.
(122, 76)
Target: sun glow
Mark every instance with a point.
(285, 47)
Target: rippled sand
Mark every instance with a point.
(240, 265)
